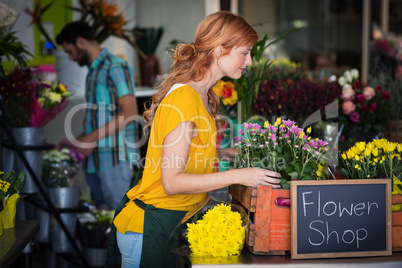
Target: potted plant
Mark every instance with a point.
(381, 159)
(10, 190)
(93, 230)
(59, 168)
(147, 39)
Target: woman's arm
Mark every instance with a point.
(175, 150)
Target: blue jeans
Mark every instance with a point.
(130, 246)
(108, 187)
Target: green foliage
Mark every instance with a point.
(11, 47)
(16, 183)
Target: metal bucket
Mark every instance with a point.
(43, 217)
(63, 197)
(29, 136)
(96, 257)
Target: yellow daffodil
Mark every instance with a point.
(361, 146)
(308, 130)
(266, 124)
(62, 88)
(278, 121)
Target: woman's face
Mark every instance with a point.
(234, 63)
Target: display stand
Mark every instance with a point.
(49, 207)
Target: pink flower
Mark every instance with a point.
(238, 138)
(373, 107)
(347, 93)
(288, 123)
(359, 98)
(348, 107)
(385, 96)
(354, 117)
(368, 93)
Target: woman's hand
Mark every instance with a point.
(257, 176)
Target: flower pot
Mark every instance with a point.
(9, 211)
(149, 68)
(28, 136)
(96, 257)
(63, 197)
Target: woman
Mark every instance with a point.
(180, 164)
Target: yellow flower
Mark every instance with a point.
(266, 124)
(361, 146)
(4, 185)
(375, 152)
(62, 88)
(278, 122)
(54, 97)
(308, 130)
(356, 166)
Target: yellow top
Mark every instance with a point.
(181, 105)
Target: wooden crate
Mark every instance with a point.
(397, 225)
(269, 232)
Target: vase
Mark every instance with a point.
(9, 211)
(63, 197)
(149, 68)
(96, 257)
(29, 136)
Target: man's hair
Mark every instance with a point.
(73, 30)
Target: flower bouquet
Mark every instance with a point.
(29, 103)
(213, 232)
(282, 147)
(379, 158)
(60, 166)
(361, 105)
(10, 189)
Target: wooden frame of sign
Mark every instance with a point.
(341, 218)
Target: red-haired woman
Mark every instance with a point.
(179, 169)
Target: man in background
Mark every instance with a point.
(108, 141)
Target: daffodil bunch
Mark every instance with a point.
(50, 94)
(219, 233)
(379, 159)
(282, 147)
(9, 184)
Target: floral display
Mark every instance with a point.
(10, 46)
(11, 187)
(219, 233)
(60, 166)
(284, 69)
(28, 102)
(94, 227)
(362, 105)
(297, 99)
(379, 158)
(282, 147)
(103, 17)
(227, 93)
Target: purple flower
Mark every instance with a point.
(276, 143)
(253, 132)
(273, 137)
(289, 140)
(272, 128)
(263, 131)
(354, 117)
(257, 126)
(286, 135)
(288, 123)
(322, 143)
(295, 130)
(282, 129)
(238, 138)
(247, 125)
(314, 144)
(241, 131)
(304, 147)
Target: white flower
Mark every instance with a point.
(348, 76)
(7, 18)
(342, 81)
(355, 74)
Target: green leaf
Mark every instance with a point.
(294, 175)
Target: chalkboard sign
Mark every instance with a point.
(341, 218)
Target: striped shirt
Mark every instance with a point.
(109, 78)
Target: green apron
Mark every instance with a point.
(158, 225)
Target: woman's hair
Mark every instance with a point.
(191, 62)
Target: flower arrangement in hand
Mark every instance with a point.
(60, 166)
(219, 233)
(227, 93)
(362, 105)
(282, 147)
